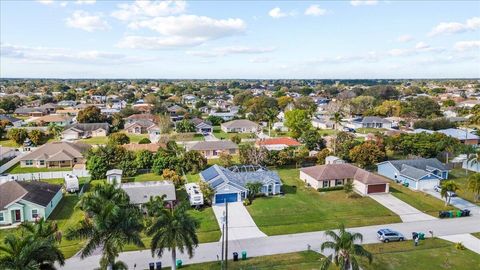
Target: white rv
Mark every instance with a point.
(71, 183)
(194, 194)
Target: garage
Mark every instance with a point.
(379, 188)
(229, 197)
(427, 184)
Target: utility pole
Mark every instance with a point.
(226, 234)
(223, 241)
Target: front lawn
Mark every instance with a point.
(17, 169)
(217, 132)
(305, 260)
(101, 140)
(369, 130)
(303, 209)
(8, 143)
(430, 254)
(461, 178)
(418, 199)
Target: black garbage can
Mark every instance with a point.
(151, 266)
(158, 266)
(235, 256)
(414, 235)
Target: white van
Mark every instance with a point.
(195, 195)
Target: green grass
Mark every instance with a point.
(187, 137)
(305, 260)
(148, 177)
(303, 209)
(420, 200)
(328, 132)
(369, 130)
(460, 177)
(193, 178)
(476, 235)
(17, 169)
(430, 254)
(217, 132)
(8, 143)
(134, 138)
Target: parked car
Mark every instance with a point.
(437, 188)
(347, 129)
(387, 235)
(449, 193)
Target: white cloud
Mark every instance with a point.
(53, 55)
(471, 24)
(223, 51)
(277, 13)
(315, 10)
(64, 4)
(404, 38)
(83, 20)
(467, 45)
(259, 60)
(86, 2)
(422, 46)
(363, 2)
(45, 2)
(142, 9)
(183, 30)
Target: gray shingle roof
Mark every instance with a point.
(213, 145)
(217, 175)
(412, 172)
(140, 192)
(39, 192)
(242, 123)
(420, 163)
(88, 126)
(56, 148)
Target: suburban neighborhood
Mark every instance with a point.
(179, 148)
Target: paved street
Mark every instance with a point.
(457, 202)
(406, 212)
(241, 223)
(286, 243)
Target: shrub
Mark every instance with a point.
(144, 141)
(330, 188)
(459, 246)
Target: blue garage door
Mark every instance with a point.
(230, 197)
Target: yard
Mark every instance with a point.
(459, 176)
(134, 138)
(430, 254)
(369, 130)
(8, 143)
(420, 200)
(17, 169)
(303, 209)
(217, 132)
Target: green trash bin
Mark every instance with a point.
(179, 263)
(405, 184)
(244, 255)
(459, 213)
(421, 236)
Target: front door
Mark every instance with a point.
(17, 217)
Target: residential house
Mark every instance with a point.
(333, 175)
(176, 112)
(57, 119)
(463, 135)
(141, 192)
(240, 126)
(231, 184)
(322, 123)
(68, 111)
(12, 120)
(189, 100)
(202, 126)
(85, 130)
(370, 122)
(212, 149)
(27, 201)
(139, 126)
(55, 155)
(277, 143)
(226, 116)
(28, 111)
(8, 152)
(67, 103)
(142, 116)
(418, 174)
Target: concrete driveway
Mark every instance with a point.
(241, 224)
(406, 212)
(210, 137)
(457, 202)
(469, 241)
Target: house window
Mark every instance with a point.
(42, 162)
(325, 183)
(1, 217)
(338, 182)
(28, 162)
(34, 213)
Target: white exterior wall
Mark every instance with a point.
(360, 187)
(309, 180)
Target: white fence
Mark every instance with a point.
(42, 175)
(11, 163)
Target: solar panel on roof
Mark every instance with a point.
(209, 173)
(216, 183)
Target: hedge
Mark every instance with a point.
(330, 188)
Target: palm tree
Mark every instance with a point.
(112, 222)
(271, 115)
(337, 119)
(474, 159)
(55, 130)
(173, 229)
(447, 188)
(473, 185)
(43, 229)
(345, 251)
(348, 188)
(29, 253)
(253, 189)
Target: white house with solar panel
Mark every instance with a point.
(229, 183)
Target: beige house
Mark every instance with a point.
(139, 126)
(56, 119)
(240, 126)
(55, 155)
(78, 131)
(212, 149)
(333, 175)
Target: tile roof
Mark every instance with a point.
(343, 171)
(213, 145)
(275, 141)
(52, 149)
(242, 123)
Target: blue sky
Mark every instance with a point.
(240, 39)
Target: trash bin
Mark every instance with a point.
(244, 255)
(179, 263)
(235, 256)
(405, 184)
(158, 266)
(421, 236)
(465, 212)
(459, 213)
(414, 235)
(151, 266)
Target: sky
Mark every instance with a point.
(239, 39)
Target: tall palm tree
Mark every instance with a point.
(474, 159)
(55, 130)
(29, 253)
(447, 188)
(345, 251)
(337, 119)
(173, 229)
(271, 115)
(42, 229)
(473, 185)
(112, 222)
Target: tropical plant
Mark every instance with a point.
(173, 176)
(345, 251)
(173, 229)
(270, 115)
(42, 229)
(112, 222)
(348, 188)
(207, 191)
(337, 119)
(448, 187)
(55, 130)
(473, 185)
(253, 189)
(474, 159)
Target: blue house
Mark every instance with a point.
(420, 174)
(230, 184)
(27, 201)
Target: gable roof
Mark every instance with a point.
(140, 192)
(217, 175)
(88, 126)
(375, 119)
(343, 171)
(10, 192)
(241, 123)
(213, 145)
(9, 118)
(55, 150)
(40, 193)
(141, 123)
(413, 172)
(142, 116)
(421, 163)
